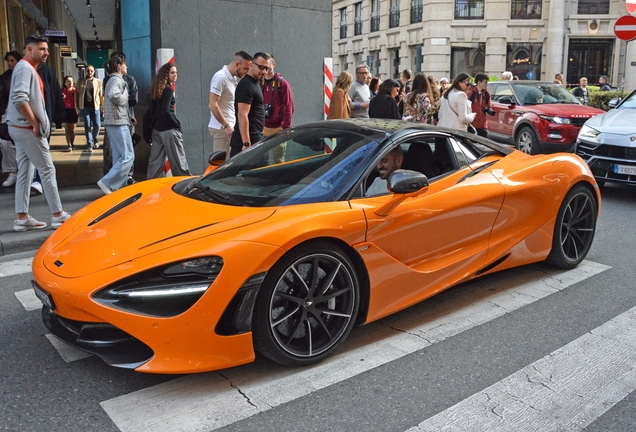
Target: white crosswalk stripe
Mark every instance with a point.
(565, 391)
(15, 267)
(68, 353)
(210, 401)
(29, 300)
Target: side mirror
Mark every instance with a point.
(404, 184)
(407, 182)
(613, 103)
(506, 100)
(215, 160)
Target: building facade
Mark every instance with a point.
(534, 39)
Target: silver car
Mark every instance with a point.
(608, 142)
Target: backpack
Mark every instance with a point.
(148, 119)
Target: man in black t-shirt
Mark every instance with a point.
(248, 105)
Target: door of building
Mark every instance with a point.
(589, 58)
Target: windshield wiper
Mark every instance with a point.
(210, 193)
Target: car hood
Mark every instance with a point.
(567, 110)
(103, 235)
(618, 122)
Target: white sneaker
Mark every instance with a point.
(36, 188)
(10, 181)
(104, 188)
(57, 221)
(28, 224)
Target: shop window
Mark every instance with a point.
(593, 7)
(469, 9)
(525, 9)
(524, 60)
(468, 58)
(343, 63)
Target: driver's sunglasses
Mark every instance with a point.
(468, 82)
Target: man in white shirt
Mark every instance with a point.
(390, 162)
(359, 93)
(222, 88)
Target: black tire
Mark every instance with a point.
(527, 141)
(574, 229)
(307, 305)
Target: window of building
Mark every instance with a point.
(395, 62)
(524, 60)
(416, 58)
(469, 9)
(343, 63)
(394, 14)
(375, 15)
(589, 58)
(525, 9)
(357, 26)
(416, 11)
(373, 61)
(591, 7)
(468, 58)
(343, 23)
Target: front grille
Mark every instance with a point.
(113, 345)
(578, 122)
(586, 151)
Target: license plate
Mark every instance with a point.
(43, 296)
(624, 169)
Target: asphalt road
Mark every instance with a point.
(527, 349)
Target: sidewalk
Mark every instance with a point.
(77, 175)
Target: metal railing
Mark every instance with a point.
(416, 12)
(587, 7)
(525, 9)
(394, 18)
(469, 9)
(343, 31)
(375, 23)
(357, 27)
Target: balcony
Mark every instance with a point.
(343, 31)
(525, 9)
(357, 27)
(587, 7)
(375, 23)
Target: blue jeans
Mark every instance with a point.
(123, 156)
(91, 119)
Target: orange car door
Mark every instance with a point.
(446, 225)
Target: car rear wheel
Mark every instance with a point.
(307, 305)
(574, 229)
(527, 141)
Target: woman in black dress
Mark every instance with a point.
(383, 105)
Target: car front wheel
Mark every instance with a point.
(307, 305)
(574, 229)
(527, 141)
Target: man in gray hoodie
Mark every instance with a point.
(29, 127)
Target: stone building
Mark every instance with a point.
(534, 39)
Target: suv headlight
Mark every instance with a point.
(557, 120)
(164, 291)
(588, 132)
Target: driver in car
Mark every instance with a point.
(389, 163)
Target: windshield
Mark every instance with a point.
(629, 102)
(294, 167)
(538, 94)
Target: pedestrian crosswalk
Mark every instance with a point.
(565, 390)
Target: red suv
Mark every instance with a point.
(536, 117)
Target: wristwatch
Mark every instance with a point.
(226, 125)
(247, 144)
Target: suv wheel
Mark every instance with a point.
(527, 141)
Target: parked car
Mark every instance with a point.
(536, 117)
(608, 142)
(284, 258)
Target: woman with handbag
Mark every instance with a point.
(455, 111)
(117, 123)
(167, 140)
(417, 104)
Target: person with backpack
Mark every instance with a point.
(278, 101)
(481, 104)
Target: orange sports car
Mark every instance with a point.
(284, 248)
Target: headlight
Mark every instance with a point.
(557, 120)
(588, 132)
(164, 291)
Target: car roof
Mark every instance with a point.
(524, 82)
